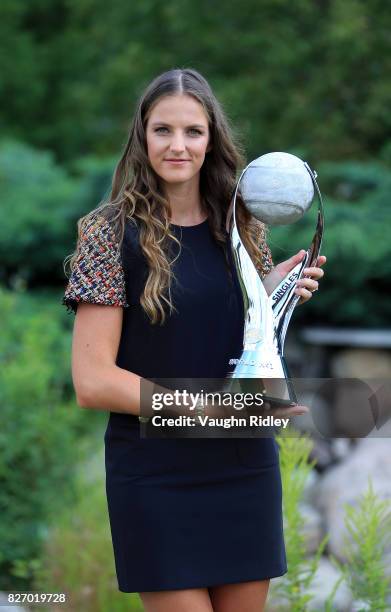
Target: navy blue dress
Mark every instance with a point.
(184, 512)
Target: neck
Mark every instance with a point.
(187, 207)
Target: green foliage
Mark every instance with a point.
(39, 230)
(95, 174)
(286, 75)
(329, 603)
(295, 468)
(39, 201)
(358, 249)
(39, 428)
(41, 204)
(308, 75)
(78, 558)
(369, 532)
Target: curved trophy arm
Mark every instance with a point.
(283, 297)
(267, 317)
(258, 314)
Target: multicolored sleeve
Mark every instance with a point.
(97, 276)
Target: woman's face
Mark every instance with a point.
(177, 135)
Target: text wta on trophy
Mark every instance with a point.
(276, 188)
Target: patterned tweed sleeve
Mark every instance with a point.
(97, 276)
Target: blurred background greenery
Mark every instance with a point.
(310, 78)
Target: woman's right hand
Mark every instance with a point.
(284, 411)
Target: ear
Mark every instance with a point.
(209, 147)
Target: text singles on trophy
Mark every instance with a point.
(285, 287)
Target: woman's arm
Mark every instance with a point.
(98, 382)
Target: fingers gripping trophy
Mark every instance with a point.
(276, 188)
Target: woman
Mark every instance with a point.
(196, 523)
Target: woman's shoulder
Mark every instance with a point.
(102, 227)
(97, 273)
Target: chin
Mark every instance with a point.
(176, 177)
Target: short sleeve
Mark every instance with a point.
(97, 276)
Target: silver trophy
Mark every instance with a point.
(277, 188)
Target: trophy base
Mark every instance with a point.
(272, 374)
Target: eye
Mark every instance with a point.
(196, 131)
(159, 129)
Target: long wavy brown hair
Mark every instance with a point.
(136, 194)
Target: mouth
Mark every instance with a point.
(176, 161)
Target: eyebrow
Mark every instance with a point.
(197, 125)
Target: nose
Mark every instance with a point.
(177, 144)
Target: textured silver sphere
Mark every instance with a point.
(277, 188)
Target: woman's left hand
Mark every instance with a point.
(305, 285)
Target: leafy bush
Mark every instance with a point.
(40, 428)
(39, 201)
(78, 557)
(358, 249)
(41, 205)
(295, 468)
(71, 86)
(369, 532)
(39, 230)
